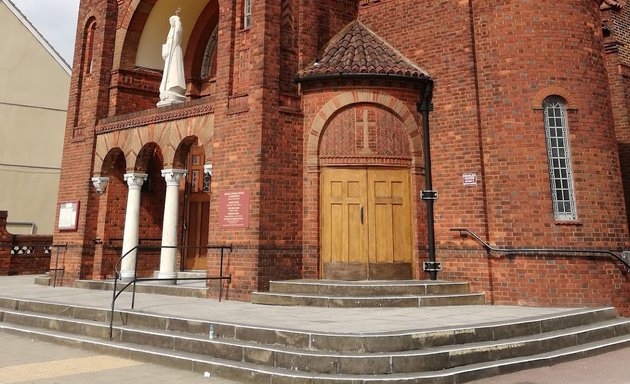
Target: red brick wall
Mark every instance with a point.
(88, 102)
(437, 37)
(23, 254)
(544, 280)
(618, 61)
(514, 80)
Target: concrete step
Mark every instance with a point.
(331, 342)
(254, 373)
(184, 288)
(298, 352)
(430, 359)
(368, 288)
(316, 300)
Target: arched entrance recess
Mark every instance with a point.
(195, 198)
(366, 153)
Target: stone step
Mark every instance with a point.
(369, 288)
(185, 288)
(430, 359)
(301, 356)
(254, 373)
(316, 300)
(342, 343)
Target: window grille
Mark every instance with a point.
(558, 155)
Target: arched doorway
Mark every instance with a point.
(365, 196)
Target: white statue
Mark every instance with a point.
(173, 85)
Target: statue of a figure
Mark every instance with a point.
(173, 85)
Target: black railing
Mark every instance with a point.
(58, 269)
(135, 279)
(464, 232)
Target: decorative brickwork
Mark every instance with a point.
(364, 135)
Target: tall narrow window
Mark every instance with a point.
(89, 47)
(247, 14)
(558, 155)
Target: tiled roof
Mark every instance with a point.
(614, 4)
(357, 51)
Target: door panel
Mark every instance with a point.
(344, 237)
(365, 223)
(197, 217)
(197, 235)
(390, 228)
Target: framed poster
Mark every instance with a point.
(68, 216)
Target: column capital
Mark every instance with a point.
(135, 180)
(173, 176)
(100, 183)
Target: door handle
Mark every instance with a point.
(361, 215)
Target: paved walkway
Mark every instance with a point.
(608, 368)
(313, 319)
(26, 361)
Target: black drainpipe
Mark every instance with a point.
(428, 195)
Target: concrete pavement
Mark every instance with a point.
(27, 361)
(608, 368)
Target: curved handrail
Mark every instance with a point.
(465, 232)
(135, 278)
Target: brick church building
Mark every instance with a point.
(303, 144)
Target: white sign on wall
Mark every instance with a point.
(68, 216)
(470, 179)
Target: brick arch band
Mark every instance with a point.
(542, 94)
(168, 136)
(389, 102)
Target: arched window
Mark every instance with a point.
(89, 46)
(209, 63)
(559, 157)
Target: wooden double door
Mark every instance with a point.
(366, 226)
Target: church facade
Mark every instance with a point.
(355, 139)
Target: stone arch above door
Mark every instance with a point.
(381, 103)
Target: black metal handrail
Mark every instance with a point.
(136, 279)
(464, 232)
(57, 269)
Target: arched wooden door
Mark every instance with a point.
(366, 223)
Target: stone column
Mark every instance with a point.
(168, 256)
(132, 219)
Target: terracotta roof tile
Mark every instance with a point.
(614, 4)
(357, 51)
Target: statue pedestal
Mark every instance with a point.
(171, 99)
(166, 103)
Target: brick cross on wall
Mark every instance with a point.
(365, 122)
